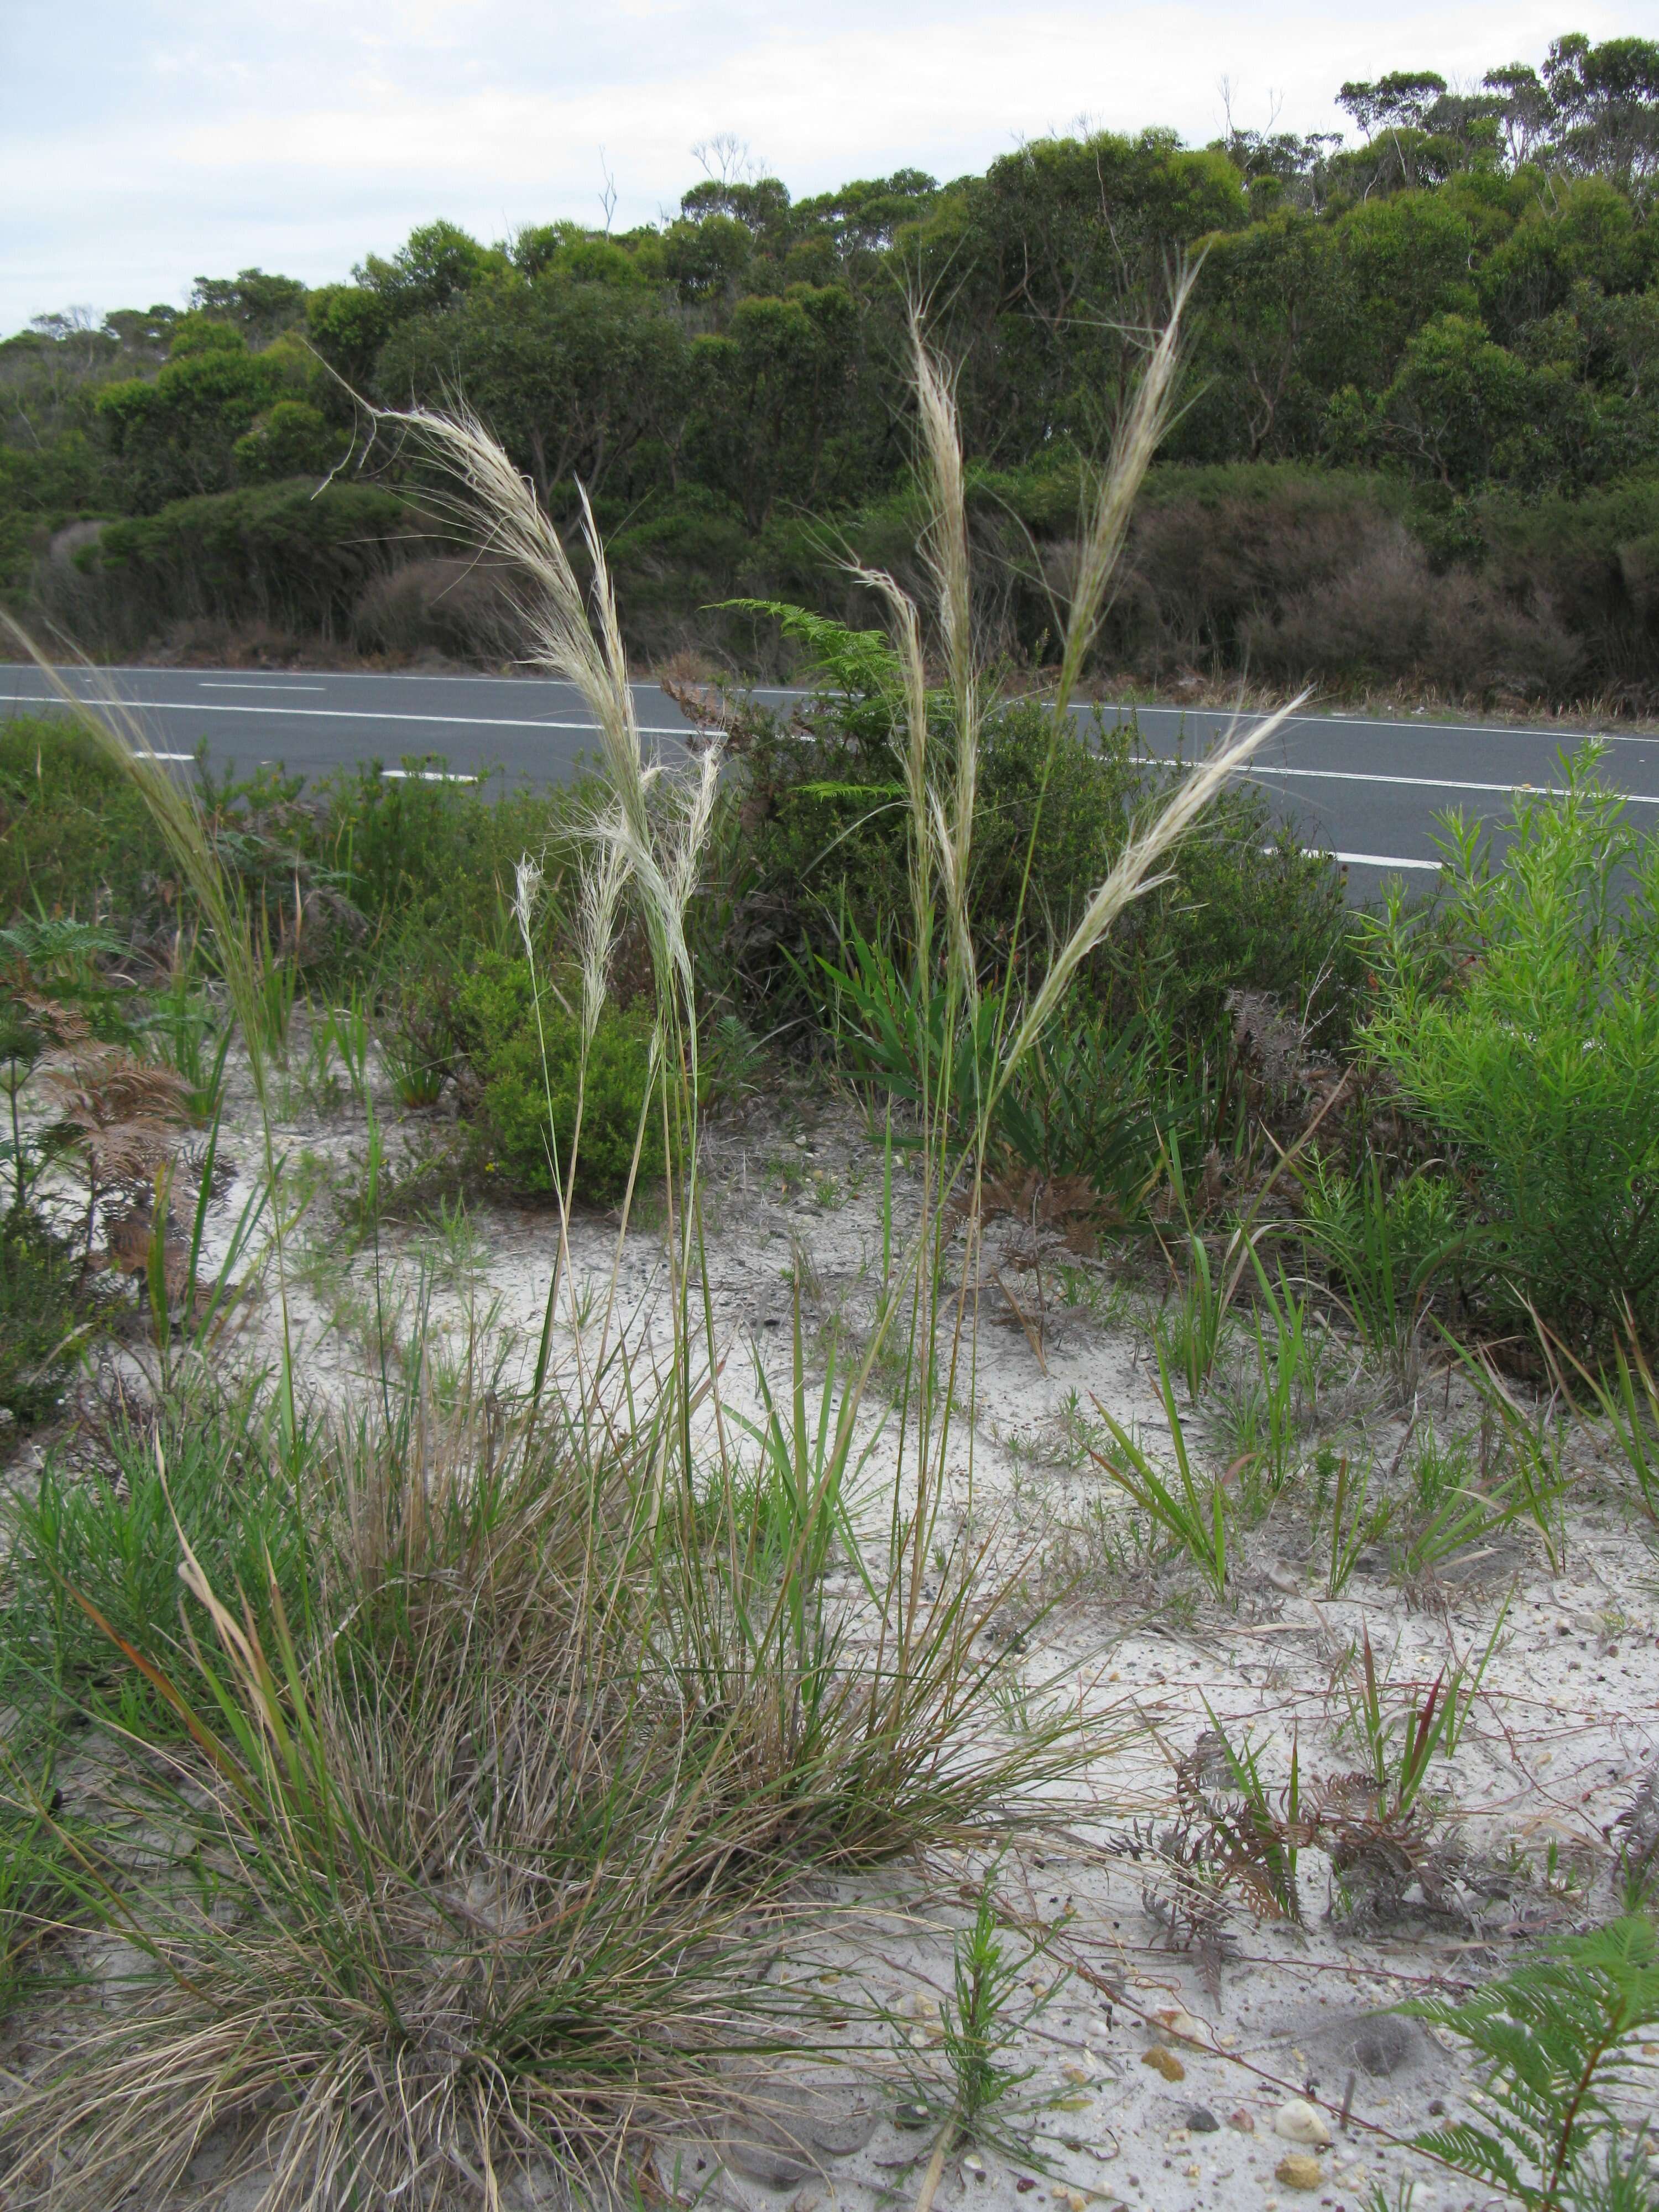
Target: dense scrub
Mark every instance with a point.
(1418, 447)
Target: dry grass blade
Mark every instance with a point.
(1132, 874)
(945, 549)
(576, 634)
(1139, 438)
(499, 506)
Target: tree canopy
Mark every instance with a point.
(1461, 296)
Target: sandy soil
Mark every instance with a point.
(1155, 2072)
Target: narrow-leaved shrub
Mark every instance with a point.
(1524, 1025)
(529, 1072)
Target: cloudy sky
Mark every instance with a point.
(146, 141)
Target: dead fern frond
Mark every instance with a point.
(60, 1023)
(125, 1115)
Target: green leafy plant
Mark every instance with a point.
(526, 1050)
(417, 1063)
(195, 1040)
(1080, 1104)
(1627, 1402)
(980, 2021)
(1192, 1511)
(1265, 1413)
(1353, 1526)
(1190, 1329)
(342, 1034)
(1401, 1745)
(1261, 1839)
(111, 1541)
(1090, 1102)
(1524, 1024)
(1453, 1507)
(1384, 1249)
(906, 1033)
(1554, 2044)
(276, 987)
(180, 1299)
(45, 1314)
(810, 1460)
(1533, 1444)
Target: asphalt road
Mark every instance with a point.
(1364, 789)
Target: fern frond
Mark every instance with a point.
(1554, 2041)
(860, 662)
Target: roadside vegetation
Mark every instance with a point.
(461, 1775)
(1415, 452)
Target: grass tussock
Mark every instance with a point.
(477, 1854)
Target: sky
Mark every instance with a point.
(145, 142)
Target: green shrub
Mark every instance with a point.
(1524, 1022)
(42, 1310)
(525, 1065)
(824, 861)
(1594, 561)
(74, 834)
(430, 865)
(1555, 2044)
(282, 552)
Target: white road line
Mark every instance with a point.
(664, 730)
(411, 676)
(1438, 783)
(275, 690)
(356, 714)
(1358, 859)
(1378, 727)
(1378, 860)
(424, 775)
(1372, 722)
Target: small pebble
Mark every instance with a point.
(1163, 2060)
(973, 2168)
(1243, 2121)
(1201, 2121)
(911, 2116)
(1299, 2122)
(1299, 2169)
